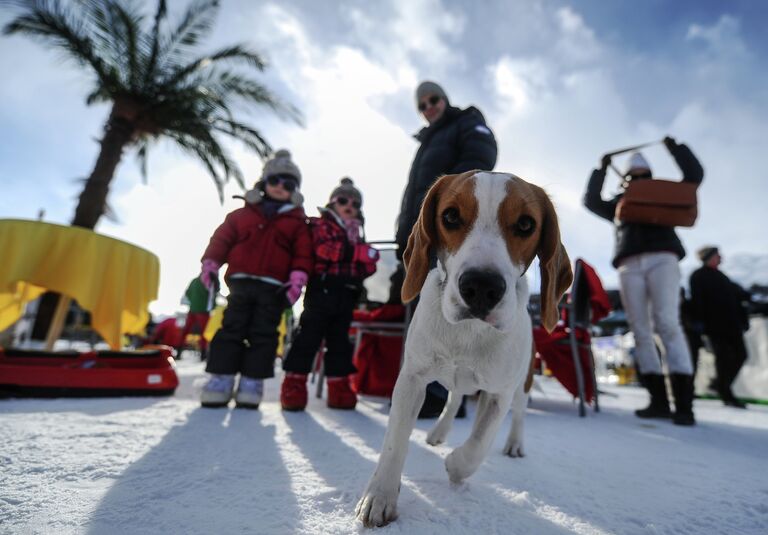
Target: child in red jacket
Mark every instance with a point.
(342, 261)
(268, 247)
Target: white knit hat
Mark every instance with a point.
(638, 165)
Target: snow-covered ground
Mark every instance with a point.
(167, 466)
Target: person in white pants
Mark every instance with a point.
(650, 291)
(647, 257)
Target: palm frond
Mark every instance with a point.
(195, 25)
(160, 15)
(213, 157)
(141, 156)
(245, 134)
(228, 84)
(232, 53)
(116, 25)
(100, 94)
(50, 22)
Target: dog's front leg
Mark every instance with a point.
(514, 445)
(438, 433)
(378, 505)
(464, 460)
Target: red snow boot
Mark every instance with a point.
(340, 395)
(293, 392)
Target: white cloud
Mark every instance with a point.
(418, 30)
(723, 37)
(576, 42)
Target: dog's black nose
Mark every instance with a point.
(481, 290)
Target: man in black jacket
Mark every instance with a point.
(647, 258)
(453, 141)
(718, 303)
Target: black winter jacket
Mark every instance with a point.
(459, 141)
(718, 303)
(636, 238)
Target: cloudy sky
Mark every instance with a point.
(559, 82)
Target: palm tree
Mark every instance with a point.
(157, 85)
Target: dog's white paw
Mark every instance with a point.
(377, 508)
(437, 435)
(514, 448)
(457, 466)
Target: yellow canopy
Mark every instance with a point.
(115, 281)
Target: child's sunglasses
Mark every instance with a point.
(288, 182)
(342, 201)
(433, 100)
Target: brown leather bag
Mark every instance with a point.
(659, 202)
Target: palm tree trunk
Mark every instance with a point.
(93, 201)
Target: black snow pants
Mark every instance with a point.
(247, 340)
(328, 305)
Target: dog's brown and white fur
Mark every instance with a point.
(471, 330)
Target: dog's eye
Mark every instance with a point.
(524, 226)
(451, 219)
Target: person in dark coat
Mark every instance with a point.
(692, 329)
(647, 258)
(718, 303)
(455, 140)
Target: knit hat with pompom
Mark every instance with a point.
(346, 188)
(281, 164)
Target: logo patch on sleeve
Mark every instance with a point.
(483, 129)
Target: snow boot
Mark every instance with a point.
(659, 406)
(340, 395)
(735, 403)
(217, 391)
(249, 392)
(682, 388)
(293, 392)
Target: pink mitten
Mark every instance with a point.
(209, 271)
(366, 254)
(296, 281)
(353, 230)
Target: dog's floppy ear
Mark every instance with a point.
(556, 274)
(423, 237)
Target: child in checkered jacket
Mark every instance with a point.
(342, 261)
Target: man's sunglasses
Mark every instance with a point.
(433, 100)
(288, 182)
(342, 201)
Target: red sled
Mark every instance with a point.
(37, 373)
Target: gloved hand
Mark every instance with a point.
(209, 272)
(605, 161)
(670, 142)
(366, 254)
(296, 281)
(353, 230)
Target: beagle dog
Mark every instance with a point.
(471, 330)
